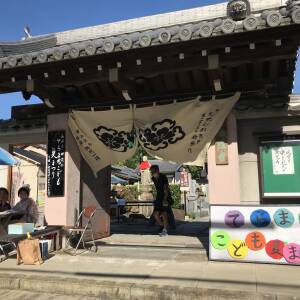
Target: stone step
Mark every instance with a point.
(47, 287)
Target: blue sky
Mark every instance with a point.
(59, 15)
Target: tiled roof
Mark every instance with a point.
(158, 21)
(125, 173)
(166, 167)
(180, 26)
(31, 155)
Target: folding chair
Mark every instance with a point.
(79, 232)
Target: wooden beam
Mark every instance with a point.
(256, 86)
(213, 62)
(151, 68)
(54, 95)
(122, 85)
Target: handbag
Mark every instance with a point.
(29, 253)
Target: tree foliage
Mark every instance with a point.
(176, 195)
(136, 159)
(195, 171)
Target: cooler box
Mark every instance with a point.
(20, 228)
(50, 244)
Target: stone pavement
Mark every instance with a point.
(149, 272)
(26, 295)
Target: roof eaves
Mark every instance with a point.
(16, 125)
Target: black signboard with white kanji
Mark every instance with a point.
(56, 164)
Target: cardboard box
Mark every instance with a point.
(20, 228)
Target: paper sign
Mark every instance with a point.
(283, 161)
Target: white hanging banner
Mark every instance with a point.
(103, 137)
(179, 132)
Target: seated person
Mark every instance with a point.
(4, 202)
(27, 206)
(120, 199)
(4, 206)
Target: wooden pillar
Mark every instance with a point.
(63, 210)
(95, 191)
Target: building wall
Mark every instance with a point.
(224, 181)
(19, 137)
(26, 174)
(3, 176)
(248, 131)
(4, 169)
(238, 182)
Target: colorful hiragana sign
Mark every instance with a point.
(267, 234)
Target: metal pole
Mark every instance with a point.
(184, 195)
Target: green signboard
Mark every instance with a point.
(280, 168)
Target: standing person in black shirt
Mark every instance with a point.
(163, 199)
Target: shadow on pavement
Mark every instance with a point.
(196, 229)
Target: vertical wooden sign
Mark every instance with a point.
(184, 179)
(56, 164)
(221, 149)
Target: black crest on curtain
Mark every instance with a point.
(119, 141)
(160, 135)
